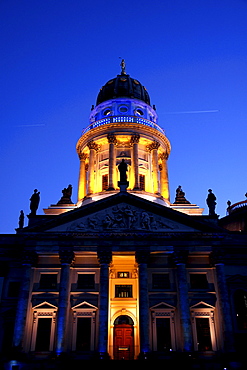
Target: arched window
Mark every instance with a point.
(240, 302)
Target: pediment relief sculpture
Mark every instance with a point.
(123, 217)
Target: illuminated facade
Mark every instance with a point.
(124, 273)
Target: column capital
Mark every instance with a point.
(142, 256)
(152, 146)
(104, 256)
(92, 145)
(82, 156)
(135, 139)
(111, 138)
(163, 156)
(67, 257)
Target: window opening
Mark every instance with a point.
(203, 334)
(123, 291)
(104, 182)
(48, 281)
(83, 335)
(198, 281)
(160, 281)
(142, 182)
(85, 281)
(43, 334)
(163, 332)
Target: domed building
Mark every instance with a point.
(124, 273)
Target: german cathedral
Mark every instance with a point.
(125, 273)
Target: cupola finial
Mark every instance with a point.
(123, 67)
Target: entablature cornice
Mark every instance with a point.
(118, 128)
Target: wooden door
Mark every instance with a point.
(123, 342)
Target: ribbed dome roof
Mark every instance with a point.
(123, 86)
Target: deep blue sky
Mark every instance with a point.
(56, 54)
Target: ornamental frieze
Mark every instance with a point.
(122, 217)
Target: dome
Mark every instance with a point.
(123, 86)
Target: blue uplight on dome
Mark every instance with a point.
(123, 119)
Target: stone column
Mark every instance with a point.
(164, 182)
(112, 141)
(82, 177)
(134, 141)
(142, 260)
(223, 298)
(21, 312)
(154, 147)
(66, 258)
(104, 256)
(93, 147)
(183, 300)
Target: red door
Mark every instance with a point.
(123, 342)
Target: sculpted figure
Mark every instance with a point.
(34, 202)
(123, 168)
(145, 220)
(211, 202)
(180, 196)
(21, 220)
(66, 197)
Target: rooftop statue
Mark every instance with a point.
(211, 202)
(180, 196)
(21, 220)
(34, 202)
(123, 168)
(66, 197)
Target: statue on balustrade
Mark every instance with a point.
(211, 202)
(123, 168)
(180, 196)
(66, 197)
(34, 202)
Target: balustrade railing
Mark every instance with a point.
(124, 119)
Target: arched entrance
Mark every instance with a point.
(123, 338)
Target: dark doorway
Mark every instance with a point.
(123, 338)
(83, 335)
(163, 334)
(43, 334)
(203, 334)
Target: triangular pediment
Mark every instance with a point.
(121, 212)
(201, 304)
(84, 305)
(162, 306)
(45, 305)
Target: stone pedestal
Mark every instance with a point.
(123, 185)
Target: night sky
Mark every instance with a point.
(191, 55)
